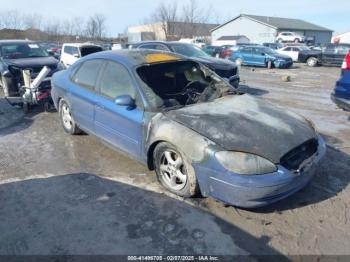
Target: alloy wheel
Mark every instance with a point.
(172, 170)
(67, 117)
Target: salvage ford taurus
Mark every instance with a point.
(189, 125)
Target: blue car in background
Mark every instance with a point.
(341, 94)
(192, 127)
(260, 56)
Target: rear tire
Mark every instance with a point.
(311, 61)
(174, 171)
(67, 119)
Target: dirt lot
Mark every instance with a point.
(62, 194)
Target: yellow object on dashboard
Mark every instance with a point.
(157, 58)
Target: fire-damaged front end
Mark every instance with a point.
(244, 151)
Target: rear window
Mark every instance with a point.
(87, 50)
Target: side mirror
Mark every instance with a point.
(263, 54)
(125, 100)
(51, 53)
(76, 55)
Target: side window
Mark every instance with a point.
(75, 51)
(147, 47)
(246, 50)
(288, 49)
(160, 47)
(257, 51)
(87, 74)
(67, 49)
(330, 48)
(116, 81)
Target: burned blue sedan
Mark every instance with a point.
(189, 125)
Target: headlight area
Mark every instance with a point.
(245, 163)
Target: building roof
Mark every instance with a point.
(231, 37)
(281, 23)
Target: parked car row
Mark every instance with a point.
(328, 55)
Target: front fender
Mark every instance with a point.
(189, 142)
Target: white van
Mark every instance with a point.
(72, 52)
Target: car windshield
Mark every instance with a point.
(176, 84)
(303, 48)
(188, 50)
(22, 50)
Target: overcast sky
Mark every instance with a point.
(120, 14)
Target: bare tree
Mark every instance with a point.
(192, 16)
(166, 14)
(96, 26)
(11, 19)
(34, 21)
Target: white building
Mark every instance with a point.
(264, 29)
(231, 40)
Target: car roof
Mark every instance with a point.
(80, 44)
(136, 57)
(15, 41)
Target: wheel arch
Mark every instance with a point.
(150, 151)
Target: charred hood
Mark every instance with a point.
(244, 123)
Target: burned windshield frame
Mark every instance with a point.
(157, 103)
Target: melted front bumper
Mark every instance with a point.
(256, 190)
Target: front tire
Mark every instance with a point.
(311, 61)
(174, 171)
(67, 119)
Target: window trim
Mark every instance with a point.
(154, 44)
(76, 70)
(139, 101)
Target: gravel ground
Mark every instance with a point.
(72, 194)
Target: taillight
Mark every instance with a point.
(346, 63)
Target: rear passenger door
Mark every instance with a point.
(328, 55)
(246, 53)
(82, 93)
(118, 125)
(258, 58)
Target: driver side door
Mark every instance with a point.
(120, 126)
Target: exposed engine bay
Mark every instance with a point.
(183, 83)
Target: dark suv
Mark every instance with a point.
(224, 68)
(333, 54)
(16, 55)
